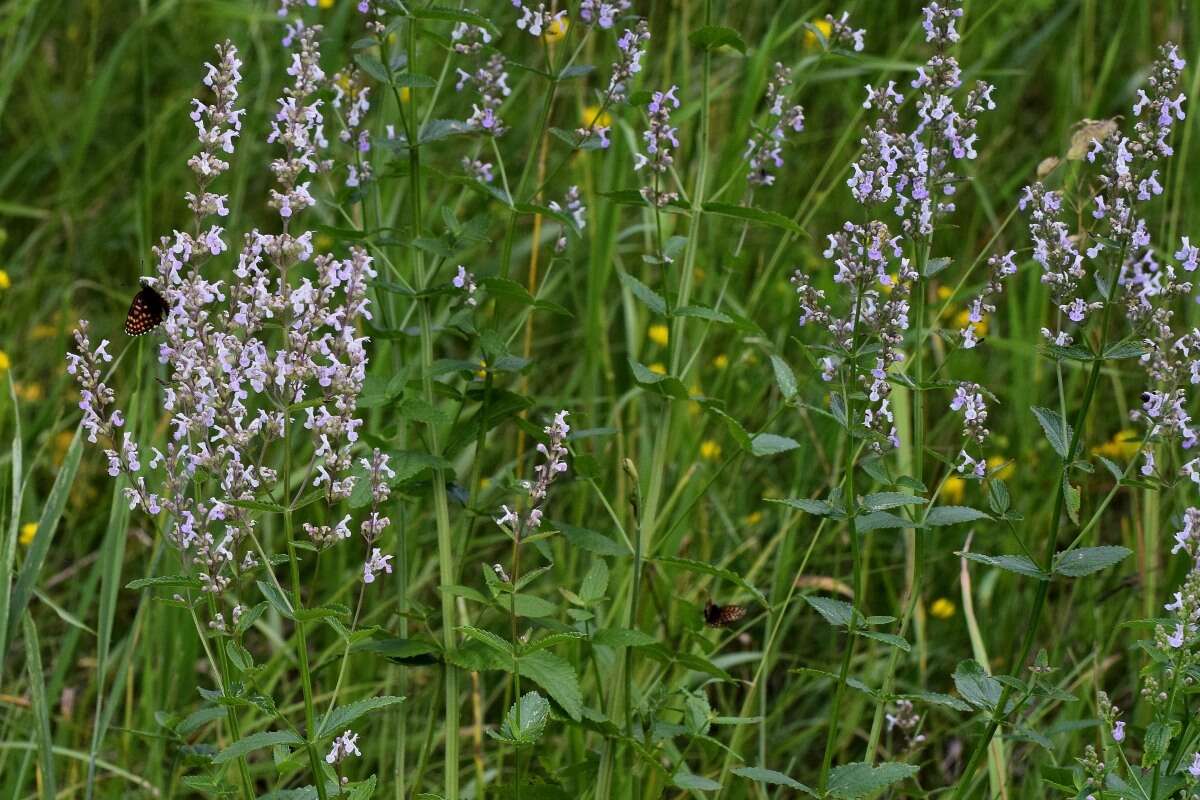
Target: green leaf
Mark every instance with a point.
(488, 638)
(653, 300)
(935, 265)
(711, 37)
(667, 385)
(753, 215)
(256, 505)
(343, 716)
(976, 686)
(1133, 348)
(525, 721)
(860, 779)
(592, 541)
(953, 515)
(256, 741)
(273, 596)
(556, 675)
(820, 508)
(939, 699)
(705, 568)
(836, 612)
(405, 651)
(168, 581)
(1020, 564)
(888, 638)
(1086, 560)
(882, 520)
(769, 444)
(785, 379)
(764, 775)
(881, 501)
(703, 312)
(618, 638)
(1154, 745)
(595, 582)
(1057, 430)
(689, 780)
(452, 15)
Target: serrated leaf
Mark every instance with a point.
(1020, 564)
(888, 639)
(953, 515)
(168, 581)
(556, 675)
(1127, 349)
(452, 15)
(710, 37)
(256, 741)
(836, 612)
(622, 637)
(1086, 560)
(663, 384)
(1058, 431)
(860, 780)
(882, 501)
(1155, 743)
(753, 215)
(689, 780)
(883, 520)
(592, 541)
(935, 265)
(764, 775)
(487, 638)
(769, 444)
(653, 300)
(525, 721)
(703, 312)
(808, 505)
(939, 699)
(976, 686)
(343, 716)
(784, 378)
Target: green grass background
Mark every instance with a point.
(94, 137)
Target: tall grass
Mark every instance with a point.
(707, 458)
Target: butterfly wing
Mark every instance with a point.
(718, 616)
(145, 312)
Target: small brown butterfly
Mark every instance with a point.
(718, 616)
(146, 311)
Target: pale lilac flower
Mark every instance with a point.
(999, 268)
(466, 281)
(765, 148)
(602, 12)
(491, 82)
(632, 46)
(1194, 769)
(554, 463)
(660, 137)
(536, 21)
(344, 746)
(1118, 731)
(376, 564)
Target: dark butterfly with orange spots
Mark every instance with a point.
(718, 616)
(146, 311)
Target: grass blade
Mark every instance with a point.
(41, 709)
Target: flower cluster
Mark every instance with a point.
(632, 46)
(536, 21)
(968, 399)
(554, 463)
(916, 167)
(1000, 266)
(1055, 251)
(491, 81)
(468, 39)
(765, 148)
(343, 747)
(299, 127)
(465, 281)
(574, 207)
(351, 100)
(602, 12)
(660, 137)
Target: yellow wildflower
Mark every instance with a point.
(657, 368)
(944, 292)
(28, 531)
(710, 450)
(30, 392)
(953, 490)
(325, 3)
(405, 93)
(324, 242)
(1006, 467)
(659, 334)
(721, 361)
(595, 116)
(810, 39)
(62, 442)
(5, 281)
(1124, 445)
(942, 608)
(5, 361)
(556, 30)
(753, 518)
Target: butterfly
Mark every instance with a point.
(718, 616)
(146, 311)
